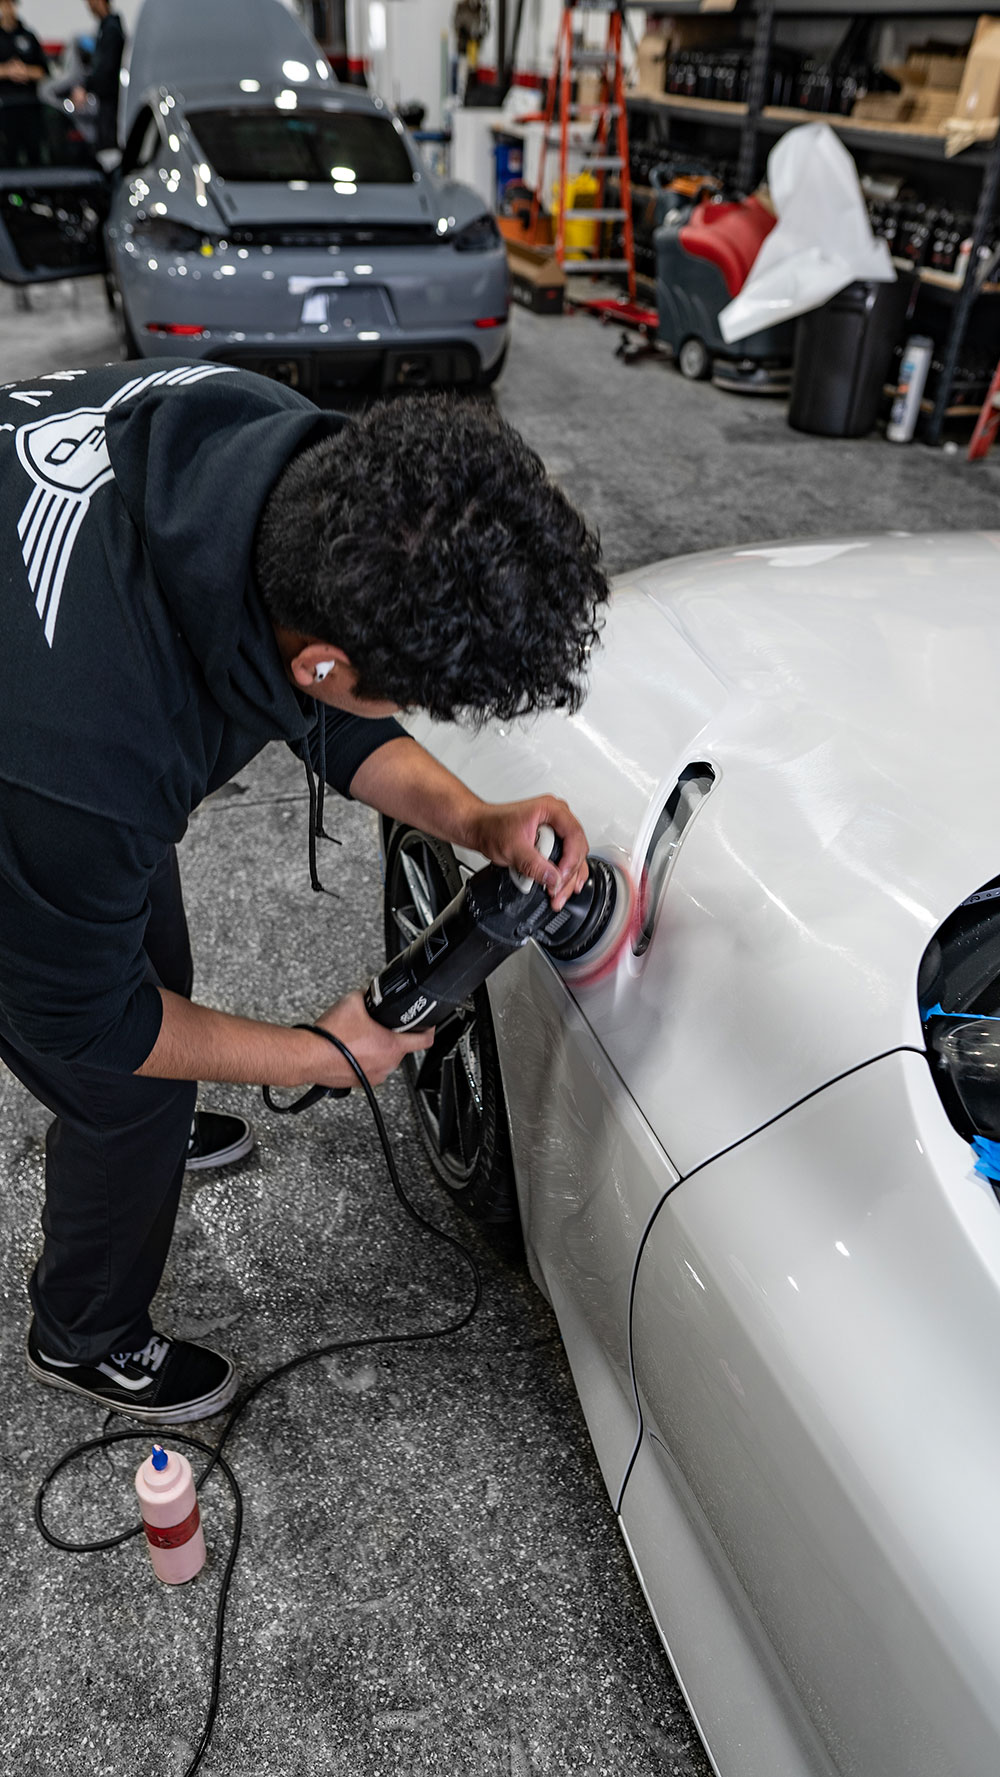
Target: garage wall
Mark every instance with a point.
(59, 21)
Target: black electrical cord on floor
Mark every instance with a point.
(214, 1453)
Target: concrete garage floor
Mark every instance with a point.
(431, 1579)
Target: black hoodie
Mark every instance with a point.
(138, 669)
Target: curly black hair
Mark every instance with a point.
(426, 540)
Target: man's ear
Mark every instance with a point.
(314, 662)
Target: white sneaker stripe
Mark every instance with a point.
(134, 1384)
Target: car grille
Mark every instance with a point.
(380, 234)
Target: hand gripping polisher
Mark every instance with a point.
(495, 914)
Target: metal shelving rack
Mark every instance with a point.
(754, 121)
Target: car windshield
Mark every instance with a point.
(274, 147)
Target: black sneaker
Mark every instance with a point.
(216, 1140)
(167, 1382)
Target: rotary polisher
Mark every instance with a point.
(496, 913)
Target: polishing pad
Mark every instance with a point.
(611, 923)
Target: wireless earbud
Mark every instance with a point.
(324, 669)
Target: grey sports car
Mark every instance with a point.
(264, 215)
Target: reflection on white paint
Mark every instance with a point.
(841, 1248)
(629, 768)
(795, 1286)
(800, 555)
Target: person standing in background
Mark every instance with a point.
(22, 65)
(105, 68)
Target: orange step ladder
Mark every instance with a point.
(988, 423)
(607, 152)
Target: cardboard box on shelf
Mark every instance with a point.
(879, 107)
(651, 63)
(925, 68)
(931, 110)
(978, 98)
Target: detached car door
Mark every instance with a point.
(54, 198)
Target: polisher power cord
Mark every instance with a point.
(214, 1453)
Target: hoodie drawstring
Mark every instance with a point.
(317, 802)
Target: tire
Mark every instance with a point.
(455, 1087)
(130, 345)
(488, 377)
(694, 359)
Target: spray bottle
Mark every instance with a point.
(170, 1516)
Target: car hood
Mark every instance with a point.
(860, 673)
(187, 42)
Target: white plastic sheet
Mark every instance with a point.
(822, 240)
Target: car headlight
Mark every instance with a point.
(965, 1058)
(169, 236)
(476, 237)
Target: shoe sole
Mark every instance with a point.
(182, 1413)
(224, 1157)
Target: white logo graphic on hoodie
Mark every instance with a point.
(67, 458)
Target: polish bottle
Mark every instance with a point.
(170, 1516)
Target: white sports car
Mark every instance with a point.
(743, 1163)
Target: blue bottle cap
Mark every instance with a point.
(160, 1456)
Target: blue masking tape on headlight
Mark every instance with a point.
(938, 1011)
(987, 1158)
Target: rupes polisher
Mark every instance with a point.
(496, 913)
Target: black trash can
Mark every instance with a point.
(843, 352)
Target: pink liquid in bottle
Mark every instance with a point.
(170, 1516)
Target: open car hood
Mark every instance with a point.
(177, 43)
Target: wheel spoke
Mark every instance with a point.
(447, 1108)
(406, 924)
(445, 1079)
(419, 888)
(428, 1075)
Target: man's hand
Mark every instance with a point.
(375, 1049)
(505, 833)
(402, 780)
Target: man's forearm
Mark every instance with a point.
(402, 780)
(197, 1043)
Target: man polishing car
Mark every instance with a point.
(197, 561)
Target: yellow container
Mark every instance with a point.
(581, 238)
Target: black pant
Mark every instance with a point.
(114, 1167)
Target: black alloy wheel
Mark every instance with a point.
(455, 1086)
